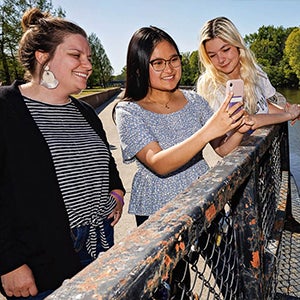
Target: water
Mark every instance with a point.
(293, 96)
(294, 143)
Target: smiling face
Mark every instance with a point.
(167, 79)
(224, 57)
(71, 64)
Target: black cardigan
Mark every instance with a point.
(34, 227)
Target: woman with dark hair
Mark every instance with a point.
(163, 128)
(142, 45)
(60, 190)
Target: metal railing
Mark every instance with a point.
(224, 231)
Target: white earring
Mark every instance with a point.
(48, 79)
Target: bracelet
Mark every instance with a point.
(118, 197)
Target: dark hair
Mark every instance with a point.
(139, 52)
(44, 33)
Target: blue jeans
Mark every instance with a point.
(80, 235)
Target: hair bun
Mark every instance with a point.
(32, 17)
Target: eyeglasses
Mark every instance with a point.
(159, 64)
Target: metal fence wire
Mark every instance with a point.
(220, 239)
(213, 261)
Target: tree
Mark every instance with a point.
(268, 45)
(102, 69)
(195, 67)
(190, 68)
(11, 12)
(121, 76)
(186, 72)
(292, 51)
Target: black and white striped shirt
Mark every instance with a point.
(81, 160)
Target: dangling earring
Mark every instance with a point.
(48, 79)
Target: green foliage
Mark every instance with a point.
(190, 68)
(292, 51)
(11, 12)
(102, 69)
(122, 76)
(268, 45)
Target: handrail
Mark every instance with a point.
(246, 181)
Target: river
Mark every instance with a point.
(294, 142)
(293, 96)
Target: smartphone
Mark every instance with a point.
(237, 87)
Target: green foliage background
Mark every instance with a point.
(277, 50)
(11, 12)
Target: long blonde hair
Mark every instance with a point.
(211, 81)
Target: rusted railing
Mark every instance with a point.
(226, 226)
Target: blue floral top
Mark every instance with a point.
(138, 127)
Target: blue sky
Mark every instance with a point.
(114, 21)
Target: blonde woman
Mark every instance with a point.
(223, 55)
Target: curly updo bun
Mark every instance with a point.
(42, 32)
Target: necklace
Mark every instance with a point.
(165, 105)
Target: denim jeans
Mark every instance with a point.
(80, 235)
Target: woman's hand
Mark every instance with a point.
(226, 118)
(294, 111)
(117, 212)
(249, 121)
(229, 127)
(19, 282)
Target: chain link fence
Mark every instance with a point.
(220, 239)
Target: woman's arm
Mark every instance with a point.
(226, 144)
(165, 161)
(276, 115)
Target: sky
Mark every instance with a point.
(115, 21)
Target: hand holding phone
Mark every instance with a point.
(237, 87)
